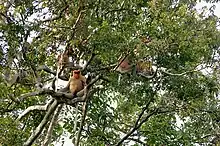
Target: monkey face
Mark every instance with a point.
(76, 74)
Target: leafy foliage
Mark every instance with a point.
(183, 46)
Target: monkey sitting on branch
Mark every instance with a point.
(124, 65)
(77, 82)
(145, 67)
(142, 66)
(63, 58)
(75, 85)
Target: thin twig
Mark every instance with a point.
(77, 20)
(138, 125)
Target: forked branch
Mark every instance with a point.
(53, 122)
(40, 127)
(139, 123)
(34, 107)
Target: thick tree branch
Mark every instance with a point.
(80, 98)
(35, 107)
(62, 96)
(40, 127)
(48, 70)
(53, 122)
(56, 95)
(83, 117)
(39, 92)
(26, 95)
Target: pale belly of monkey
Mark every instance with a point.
(76, 86)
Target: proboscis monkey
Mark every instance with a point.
(76, 82)
(145, 67)
(124, 65)
(145, 39)
(63, 59)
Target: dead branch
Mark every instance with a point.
(52, 124)
(40, 127)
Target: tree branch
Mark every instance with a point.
(69, 65)
(89, 61)
(125, 56)
(77, 20)
(138, 141)
(138, 125)
(53, 122)
(56, 17)
(35, 107)
(48, 70)
(83, 117)
(181, 74)
(62, 96)
(40, 127)
(148, 77)
(103, 68)
(80, 98)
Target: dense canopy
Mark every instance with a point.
(168, 96)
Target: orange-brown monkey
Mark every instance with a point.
(145, 39)
(63, 59)
(143, 66)
(124, 65)
(76, 82)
